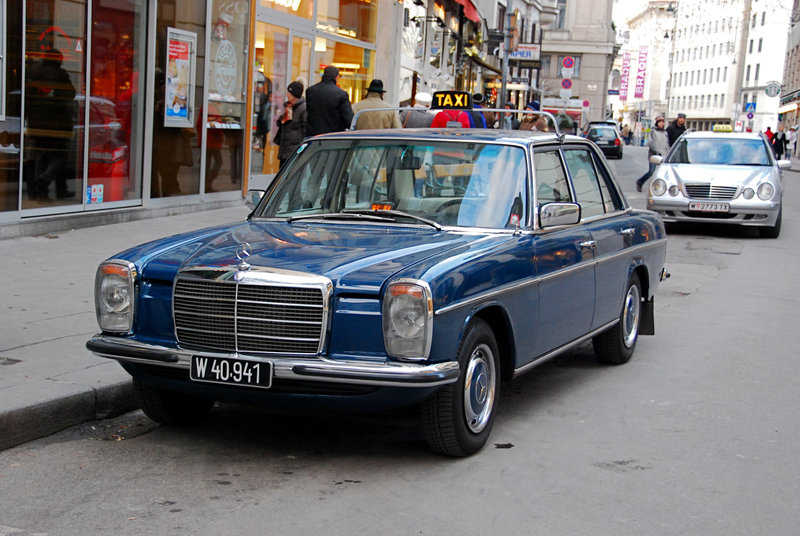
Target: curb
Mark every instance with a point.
(101, 392)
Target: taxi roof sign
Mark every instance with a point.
(722, 128)
(451, 100)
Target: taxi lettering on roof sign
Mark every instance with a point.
(722, 128)
(454, 100)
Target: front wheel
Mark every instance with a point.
(615, 345)
(458, 420)
(170, 407)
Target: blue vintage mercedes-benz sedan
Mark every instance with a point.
(390, 268)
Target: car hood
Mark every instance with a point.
(358, 258)
(717, 175)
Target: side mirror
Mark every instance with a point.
(656, 159)
(785, 164)
(253, 198)
(554, 214)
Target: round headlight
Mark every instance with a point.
(748, 193)
(765, 191)
(114, 295)
(674, 190)
(407, 319)
(659, 187)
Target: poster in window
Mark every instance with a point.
(179, 91)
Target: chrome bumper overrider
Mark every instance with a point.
(288, 368)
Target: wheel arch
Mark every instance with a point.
(499, 322)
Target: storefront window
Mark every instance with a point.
(356, 65)
(227, 73)
(54, 87)
(116, 104)
(175, 166)
(300, 8)
(355, 19)
(276, 65)
(11, 28)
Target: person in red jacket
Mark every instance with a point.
(451, 118)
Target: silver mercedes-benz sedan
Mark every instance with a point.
(720, 177)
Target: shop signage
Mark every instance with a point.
(460, 100)
(525, 51)
(638, 91)
(626, 71)
(180, 77)
(225, 68)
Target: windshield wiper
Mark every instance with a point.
(366, 215)
(393, 214)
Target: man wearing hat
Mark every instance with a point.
(328, 106)
(420, 116)
(374, 99)
(676, 128)
(293, 123)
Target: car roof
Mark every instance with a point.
(707, 134)
(520, 137)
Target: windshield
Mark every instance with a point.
(450, 183)
(602, 133)
(720, 151)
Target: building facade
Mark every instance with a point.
(789, 109)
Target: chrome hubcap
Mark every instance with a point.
(630, 316)
(479, 391)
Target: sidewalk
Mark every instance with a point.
(48, 379)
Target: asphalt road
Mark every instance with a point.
(698, 434)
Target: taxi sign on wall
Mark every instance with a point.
(452, 100)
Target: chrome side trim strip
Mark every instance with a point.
(540, 279)
(387, 373)
(550, 355)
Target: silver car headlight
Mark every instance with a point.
(748, 193)
(659, 187)
(674, 190)
(113, 295)
(408, 319)
(765, 191)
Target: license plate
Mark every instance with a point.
(229, 371)
(710, 207)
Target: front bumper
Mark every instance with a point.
(385, 373)
(755, 213)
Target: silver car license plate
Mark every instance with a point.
(246, 372)
(710, 207)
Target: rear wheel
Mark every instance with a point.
(171, 407)
(458, 420)
(615, 345)
(775, 230)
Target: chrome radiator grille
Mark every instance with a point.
(708, 191)
(231, 316)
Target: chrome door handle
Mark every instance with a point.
(629, 231)
(588, 244)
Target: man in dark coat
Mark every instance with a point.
(293, 122)
(327, 105)
(779, 142)
(676, 128)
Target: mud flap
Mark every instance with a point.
(647, 323)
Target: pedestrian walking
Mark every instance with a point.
(792, 141)
(420, 116)
(372, 100)
(657, 145)
(676, 128)
(779, 143)
(292, 124)
(327, 105)
(626, 134)
(769, 134)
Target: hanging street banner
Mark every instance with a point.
(626, 71)
(638, 91)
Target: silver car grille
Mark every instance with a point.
(709, 191)
(238, 317)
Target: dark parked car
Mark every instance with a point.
(607, 137)
(385, 269)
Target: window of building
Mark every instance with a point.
(725, 74)
(722, 100)
(763, 18)
(760, 42)
(577, 67)
(747, 74)
(562, 14)
(758, 68)
(501, 17)
(355, 19)
(750, 48)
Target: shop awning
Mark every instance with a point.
(787, 108)
(475, 56)
(469, 10)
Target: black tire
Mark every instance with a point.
(457, 420)
(615, 346)
(775, 230)
(170, 407)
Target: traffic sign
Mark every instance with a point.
(568, 62)
(566, 83)
(750, 115)
(750, 107)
